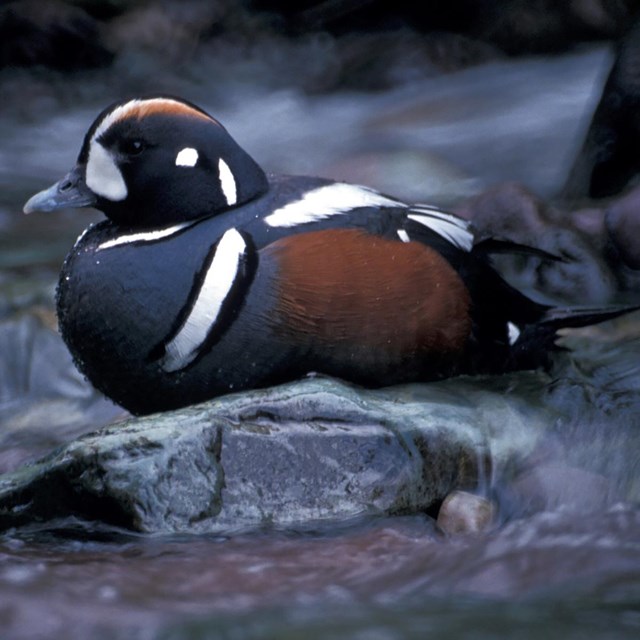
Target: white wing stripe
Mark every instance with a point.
(327, 201)
(453, 229)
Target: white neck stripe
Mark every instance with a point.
(144, 236)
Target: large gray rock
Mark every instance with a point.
(319, 449)
(290, 455)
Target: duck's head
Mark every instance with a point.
(155, 161)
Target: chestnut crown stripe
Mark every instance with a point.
(138, 109)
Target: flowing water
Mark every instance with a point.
(552, 571)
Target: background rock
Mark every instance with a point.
(51, 34)
(582, 275)
(609, 160)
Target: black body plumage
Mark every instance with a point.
(209, 277)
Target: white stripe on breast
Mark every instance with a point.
(327, 201)
(215, 286)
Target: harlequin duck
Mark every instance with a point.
(209, 276)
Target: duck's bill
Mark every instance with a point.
(69, 193)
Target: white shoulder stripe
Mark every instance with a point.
(227, 183)
(450, 227)
(327, 201)
(144, 236)
(182, 349)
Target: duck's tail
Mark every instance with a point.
(533, 343)
(533, 326)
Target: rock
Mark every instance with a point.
(466, 513)
(623, 226)
(608, 159)
(303, 452)
(582, 276)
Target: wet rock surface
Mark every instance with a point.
(305, 452)
(319, 450)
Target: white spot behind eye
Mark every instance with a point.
(514, 333)
(227, 182)
(103, 176)
(187, 157)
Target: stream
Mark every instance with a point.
(551, 573)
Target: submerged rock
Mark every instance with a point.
(303, 452)
(465, 513)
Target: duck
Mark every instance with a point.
(209, 276)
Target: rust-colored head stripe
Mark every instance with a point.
(141, 108)
(161, 106)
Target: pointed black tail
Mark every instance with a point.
(573, 317)
(536, 342)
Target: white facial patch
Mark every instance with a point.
(187, 157)
(450, 227)
(103, 176)
(227, 183)
(327, 201)
(214, 289)
(145, 236)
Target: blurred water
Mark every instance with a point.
(554, 575)
(553, 572)
(515, 120)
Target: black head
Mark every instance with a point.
(153, 162)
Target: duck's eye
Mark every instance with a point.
(132, 147)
